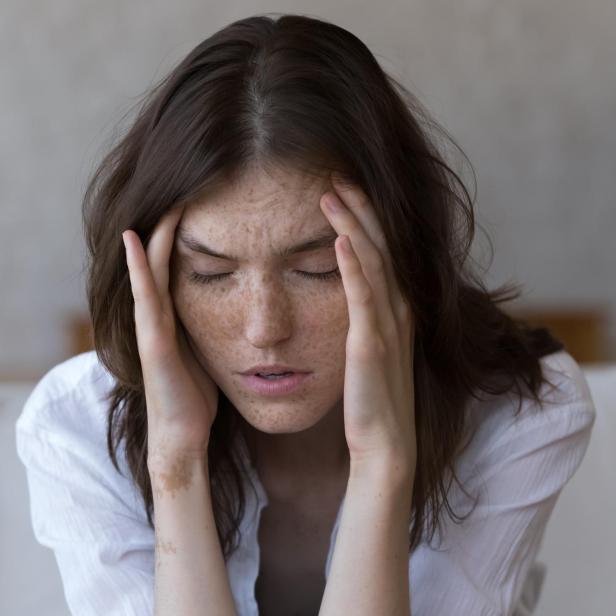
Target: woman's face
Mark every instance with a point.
(264, 311)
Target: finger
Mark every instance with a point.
(159, 251)
(370, 260)
(359, 204)
(145, 294)
(188, 353)
(365, 340)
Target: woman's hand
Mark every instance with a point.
(181, 397)
(379, 393)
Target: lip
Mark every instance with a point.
(277, 387)
(272, 368)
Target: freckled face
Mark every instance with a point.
(264, 310)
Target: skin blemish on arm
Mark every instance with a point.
(178, 478)
(164, 547)
(170, 482)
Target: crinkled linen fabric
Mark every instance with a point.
(94, 520)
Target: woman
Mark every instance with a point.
(345, 362)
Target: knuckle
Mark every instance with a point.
(369, 351)
(402, 312)
(366, 353)
(363, 202)
(391, 333)
(377, 263)
(364, 297)
(355, 228)
(369, 342)
(156, 349)
(402, 307)
(379, 347)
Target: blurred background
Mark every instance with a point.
(526, 88)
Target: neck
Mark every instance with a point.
(288, 463)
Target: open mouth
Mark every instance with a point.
(274, 376)
(275, 384)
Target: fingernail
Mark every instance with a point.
(345, 244)
(124, 241)
(332, 204)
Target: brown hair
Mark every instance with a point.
(309, 95)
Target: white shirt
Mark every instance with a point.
(94, 521)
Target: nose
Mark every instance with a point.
(269, 317)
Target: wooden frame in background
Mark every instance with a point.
(582, 330)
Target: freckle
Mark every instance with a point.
(179, 477)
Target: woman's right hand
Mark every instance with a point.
(181, 398)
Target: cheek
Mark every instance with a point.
(322, 326)
(324, 314)
(202, 313)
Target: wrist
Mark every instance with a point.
(175, 462)
(386, 469)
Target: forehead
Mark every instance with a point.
(272, 195)
(260, 215)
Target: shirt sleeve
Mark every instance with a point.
(80, 508)
(480, 567)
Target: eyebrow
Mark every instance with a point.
(325, 239)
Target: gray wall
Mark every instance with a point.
(524, 87)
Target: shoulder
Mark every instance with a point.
(568, 376)
(68, 404)
(512, 473)
(566, 415)
(76, 493)
(565, 397)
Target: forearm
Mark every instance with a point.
(369, 570)
(191, 577)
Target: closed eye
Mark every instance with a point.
(209, 278)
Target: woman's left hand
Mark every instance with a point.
(379, 392)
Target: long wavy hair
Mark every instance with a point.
(303, 93)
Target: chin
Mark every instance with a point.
(278, 421)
